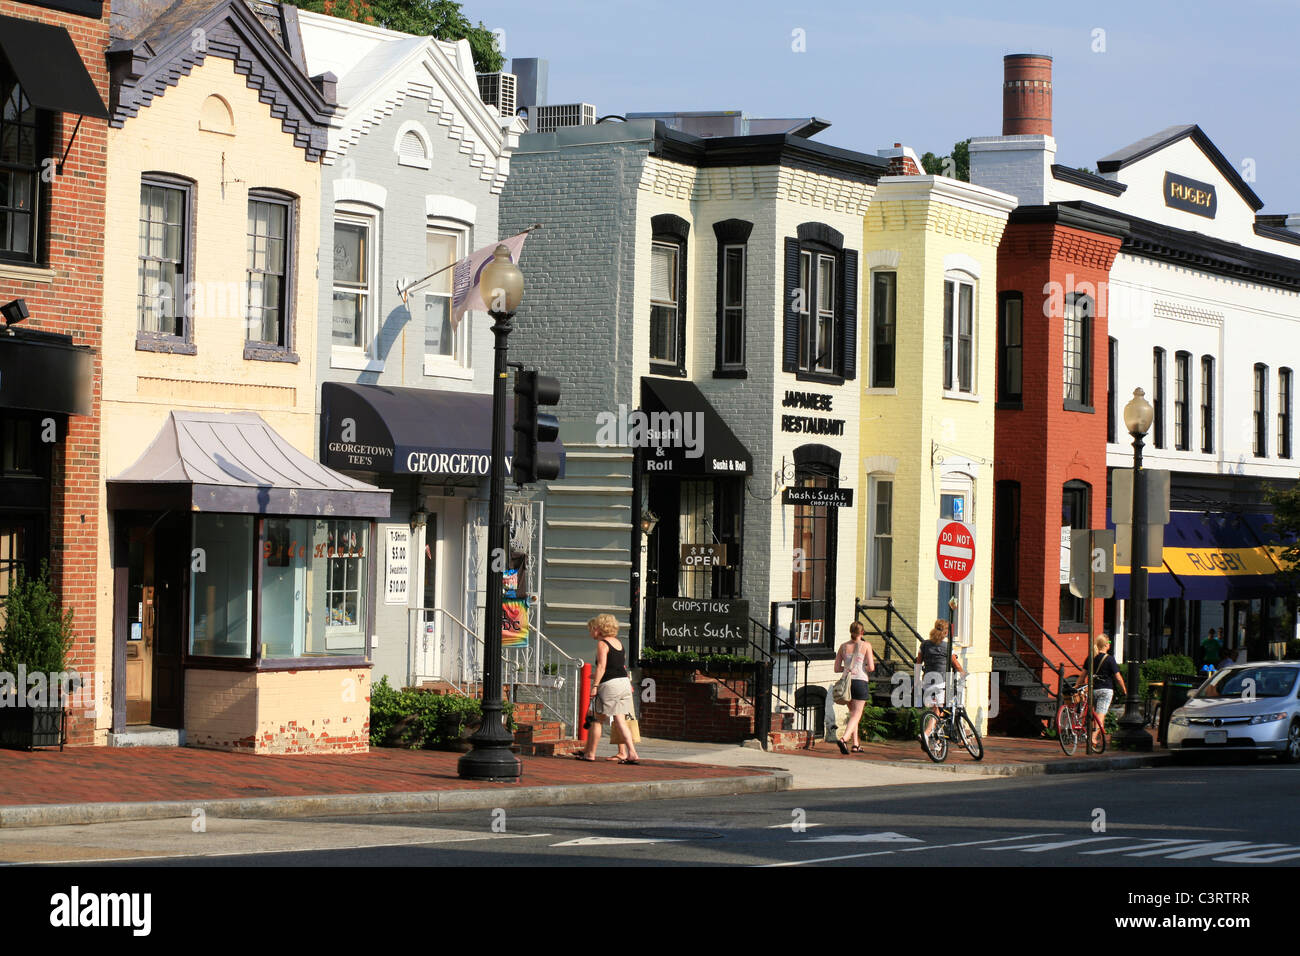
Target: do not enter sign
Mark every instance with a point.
(954, 553)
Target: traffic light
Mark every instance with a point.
(533, 428)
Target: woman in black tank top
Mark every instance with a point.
(611, 690)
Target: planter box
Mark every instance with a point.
(553, 681)
(25, 728)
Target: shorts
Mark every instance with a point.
(934, 688)
(1101, 699)
(614, 698)
(859, 690)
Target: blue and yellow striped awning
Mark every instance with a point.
(1213, 556)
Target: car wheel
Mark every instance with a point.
(1292, 752)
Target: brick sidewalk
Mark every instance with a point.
(997, 750)
(146, 774)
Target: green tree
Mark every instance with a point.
(1286, 526)
(956, 164)
(439, 18)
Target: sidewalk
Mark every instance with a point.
(101, 784)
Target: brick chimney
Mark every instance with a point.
(1026, 94)
(903, 160)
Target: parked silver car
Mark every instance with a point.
(1242, 707)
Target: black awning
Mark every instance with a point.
(683, 434)
(49, 68)
(43, 372)
(411, 431)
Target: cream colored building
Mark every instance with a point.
(929, 365)
(234, 577)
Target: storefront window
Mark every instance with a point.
(814, 565)
(313, 588)
(221, 595)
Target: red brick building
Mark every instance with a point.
(53, 129)
(1051, 422)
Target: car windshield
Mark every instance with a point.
(1247, 683)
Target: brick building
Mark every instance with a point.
(715, 280)
(53, 86)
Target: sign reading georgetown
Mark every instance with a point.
(701, 622)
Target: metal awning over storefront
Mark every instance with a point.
(1213, 556)
(411, 431)
(48, 67)
(682, 434)
(237, 463)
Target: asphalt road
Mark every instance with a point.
(1217, 816)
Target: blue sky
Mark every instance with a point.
(932, 75)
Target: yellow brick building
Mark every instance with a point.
(929, 364)
(225, 539)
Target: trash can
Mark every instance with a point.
(1178, 687)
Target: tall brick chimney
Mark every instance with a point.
(1026, 94)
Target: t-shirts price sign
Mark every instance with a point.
(397, 565)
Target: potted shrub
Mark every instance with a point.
(34, 642)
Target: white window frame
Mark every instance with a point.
(960, 279)
(360, 358)
(874, 483)
(675, 304)
(726, 309)
(459, 364)
(811, 314)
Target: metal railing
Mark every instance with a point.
(443, 647)
(862, 611)
(1018, 633)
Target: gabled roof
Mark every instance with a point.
(1167, 137)
(378, 69)
(155, 43)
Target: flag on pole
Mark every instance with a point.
(465, 293)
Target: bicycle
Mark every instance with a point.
(951, 723)
(1070, 718)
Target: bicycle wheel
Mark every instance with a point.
(970, 737)
(1099, 728)
(933, 742)
(1065, 734)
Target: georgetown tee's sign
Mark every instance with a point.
(701, 622)
(1190, 195)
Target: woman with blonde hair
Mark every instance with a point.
(611, 688)
(934, 659)
(857, 657)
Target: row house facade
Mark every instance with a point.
(413, 168)
(1158, 271)
(929, 371)
(53, 128)
(238, 605)
(699, 301)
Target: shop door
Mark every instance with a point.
(953, 506)
(154, 668)
(429, 630)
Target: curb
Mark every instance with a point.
(430, 801)
(1066, 765)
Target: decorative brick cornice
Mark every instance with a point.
(1045, 241)
(231, 31)
(940, 218)
(780, 183)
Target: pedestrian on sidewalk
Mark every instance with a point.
(1211, 648)
(1105, 674)
(611, 689)
(856, 656)
(934, 659)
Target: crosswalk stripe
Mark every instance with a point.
(1145, 845)
(1204, 849)
(1044, 847)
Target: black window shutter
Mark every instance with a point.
(790, 331)
(846, 330)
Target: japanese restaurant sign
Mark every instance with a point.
(701, 622)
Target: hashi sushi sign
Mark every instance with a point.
(701, 622)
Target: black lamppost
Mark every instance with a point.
(1138, 415)
(502, 286)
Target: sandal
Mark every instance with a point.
(630, 761)
(857, 750)
(843, 747)
(585, 758)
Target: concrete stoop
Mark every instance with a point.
(148, 737)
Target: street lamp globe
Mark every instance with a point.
(1138, 414)
(501, 283)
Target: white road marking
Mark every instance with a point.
(1261, 856)
(1198, 848)
(614, 841)
(787, 826)
(1145, 845)
(886, 837)
(1044, 847)
(907, 849)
